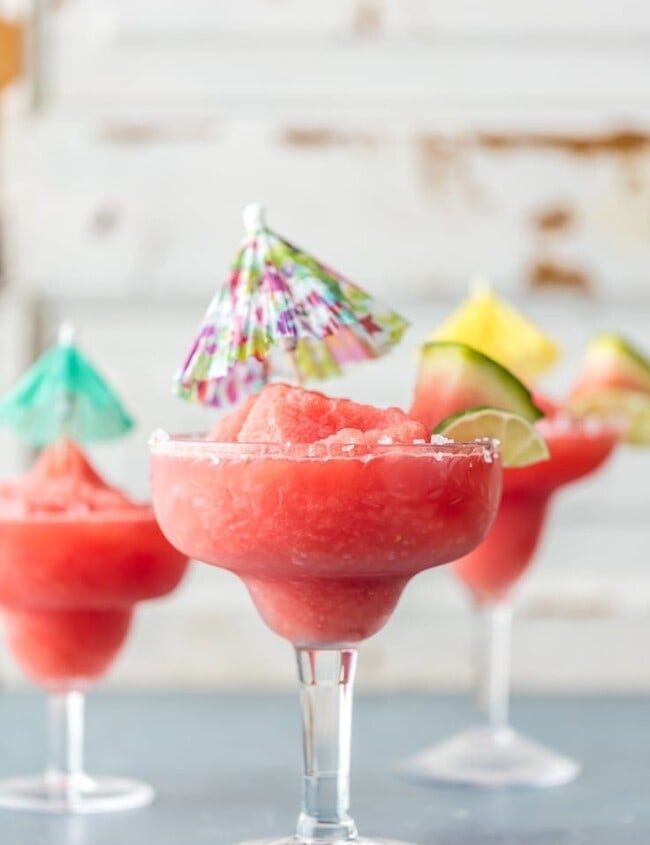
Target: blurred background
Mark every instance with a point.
(410, 144)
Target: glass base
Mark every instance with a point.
(89, 795)
(490, 758)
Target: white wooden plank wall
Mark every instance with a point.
(411, 143)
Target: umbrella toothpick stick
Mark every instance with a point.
(293, 363)
(295, 370)
(66, 338)
(67, 334)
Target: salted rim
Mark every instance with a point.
(161, 443)
(143, 512)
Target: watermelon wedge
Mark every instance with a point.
(611, 362)
(455, 377)
(614, 385)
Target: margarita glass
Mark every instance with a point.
(492, 754)
(325, 537)
(75, 557)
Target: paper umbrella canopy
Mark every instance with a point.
(63, 395)
(279, 298)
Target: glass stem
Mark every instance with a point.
(66, 737)
(326, 681)
(493, 663)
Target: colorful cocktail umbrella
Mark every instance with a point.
(278, 297)
(63, 395)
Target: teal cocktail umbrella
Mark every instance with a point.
(63, 395)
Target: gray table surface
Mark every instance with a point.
(226, 768)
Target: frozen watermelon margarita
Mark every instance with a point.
(76, 555)
(453, 379)
(325, 508)
(493, 754)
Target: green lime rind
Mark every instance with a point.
(628, 408)
(497, 386)
(520, 443)
(628, 349)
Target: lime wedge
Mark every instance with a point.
(498, 330)
(628, 408)
(520, 443)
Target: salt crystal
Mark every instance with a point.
(159, 436)
(420, 441)
(384, 440)
(349, 447)
(439, 440)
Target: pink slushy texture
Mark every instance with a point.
(75, 556)
(325, 532)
